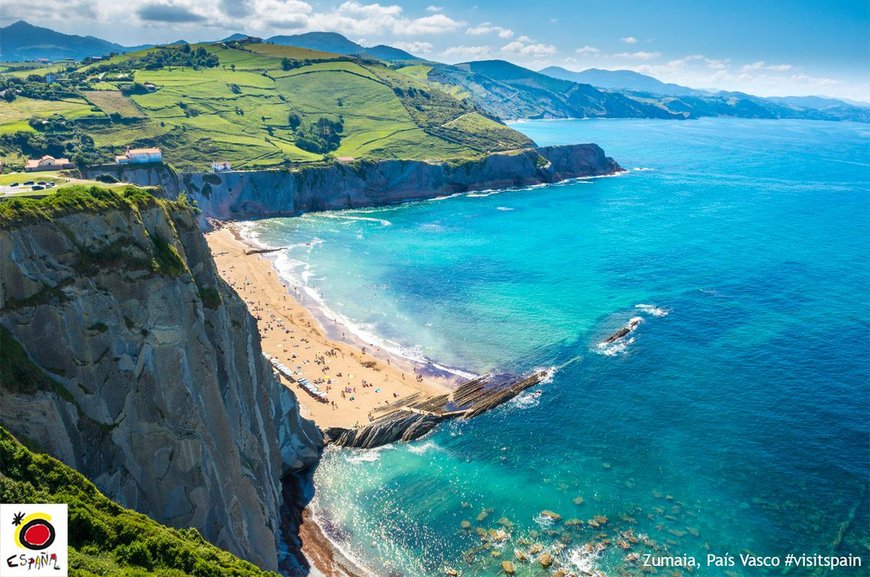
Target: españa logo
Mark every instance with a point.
(33, 540)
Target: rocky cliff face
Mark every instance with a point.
(240, 195)
(252, 194)
(150, 378)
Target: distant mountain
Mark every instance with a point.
(509, 91)
(322, 41)
(619, 80)
(234, 37)
(22, 41)
(338, 44)
(388, 53)
(817, 102)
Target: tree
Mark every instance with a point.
(295, 120)
(233, 67)
(286, 64)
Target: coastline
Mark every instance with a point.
(287, 327)
(325, 557)
(356, 377)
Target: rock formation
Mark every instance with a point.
(144, 372)
(253, 194)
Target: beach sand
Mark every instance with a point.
(356, 380)
(294, 335)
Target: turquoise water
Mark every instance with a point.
(734, 420)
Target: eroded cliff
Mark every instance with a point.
(254, 194)
(131, 360)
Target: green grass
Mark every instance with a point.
(239, 111)
(22, 109)
(106, 539)
(112, 101)
(71, 199)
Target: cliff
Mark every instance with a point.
(127, 357)
(253, 194)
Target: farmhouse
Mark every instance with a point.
(140, 156)
(47, 163)
(221, 166)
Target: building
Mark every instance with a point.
(221, 166)
(140, 156)
(345, 159)
(47, 163)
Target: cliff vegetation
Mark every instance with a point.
(105, 538)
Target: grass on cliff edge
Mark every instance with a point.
(105, 538)
(70, 199)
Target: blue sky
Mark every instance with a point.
(762, 47)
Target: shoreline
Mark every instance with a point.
(288, 327)
(356, 377)
(327, 559)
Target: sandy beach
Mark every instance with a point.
(356, 380)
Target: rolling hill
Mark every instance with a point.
(254, 105)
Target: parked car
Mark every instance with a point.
(28, 183)
(14, 184)
(37, 187)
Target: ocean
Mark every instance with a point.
(733, 420)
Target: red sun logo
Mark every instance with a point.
(36, 533)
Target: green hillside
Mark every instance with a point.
(509, 91)
(105, 538)
(254, 105)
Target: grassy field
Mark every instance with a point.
(110, 101)
(259, 108)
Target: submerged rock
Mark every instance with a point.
(545, 560)
(508, 568)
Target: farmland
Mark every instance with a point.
(254, 105)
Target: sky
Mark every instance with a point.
(764, 47)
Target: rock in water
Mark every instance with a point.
(508, 567)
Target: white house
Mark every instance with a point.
(221, 166)
(140, 156)
(47, 163)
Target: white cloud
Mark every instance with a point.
(629, 40)
(762, 65)
(521, 49)
(414, 47)
(487, 28)
(432, 8)
(355, 19)
(281, 14)
(466, 52)
(588, 50)
(435, 24)
(638, 55)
